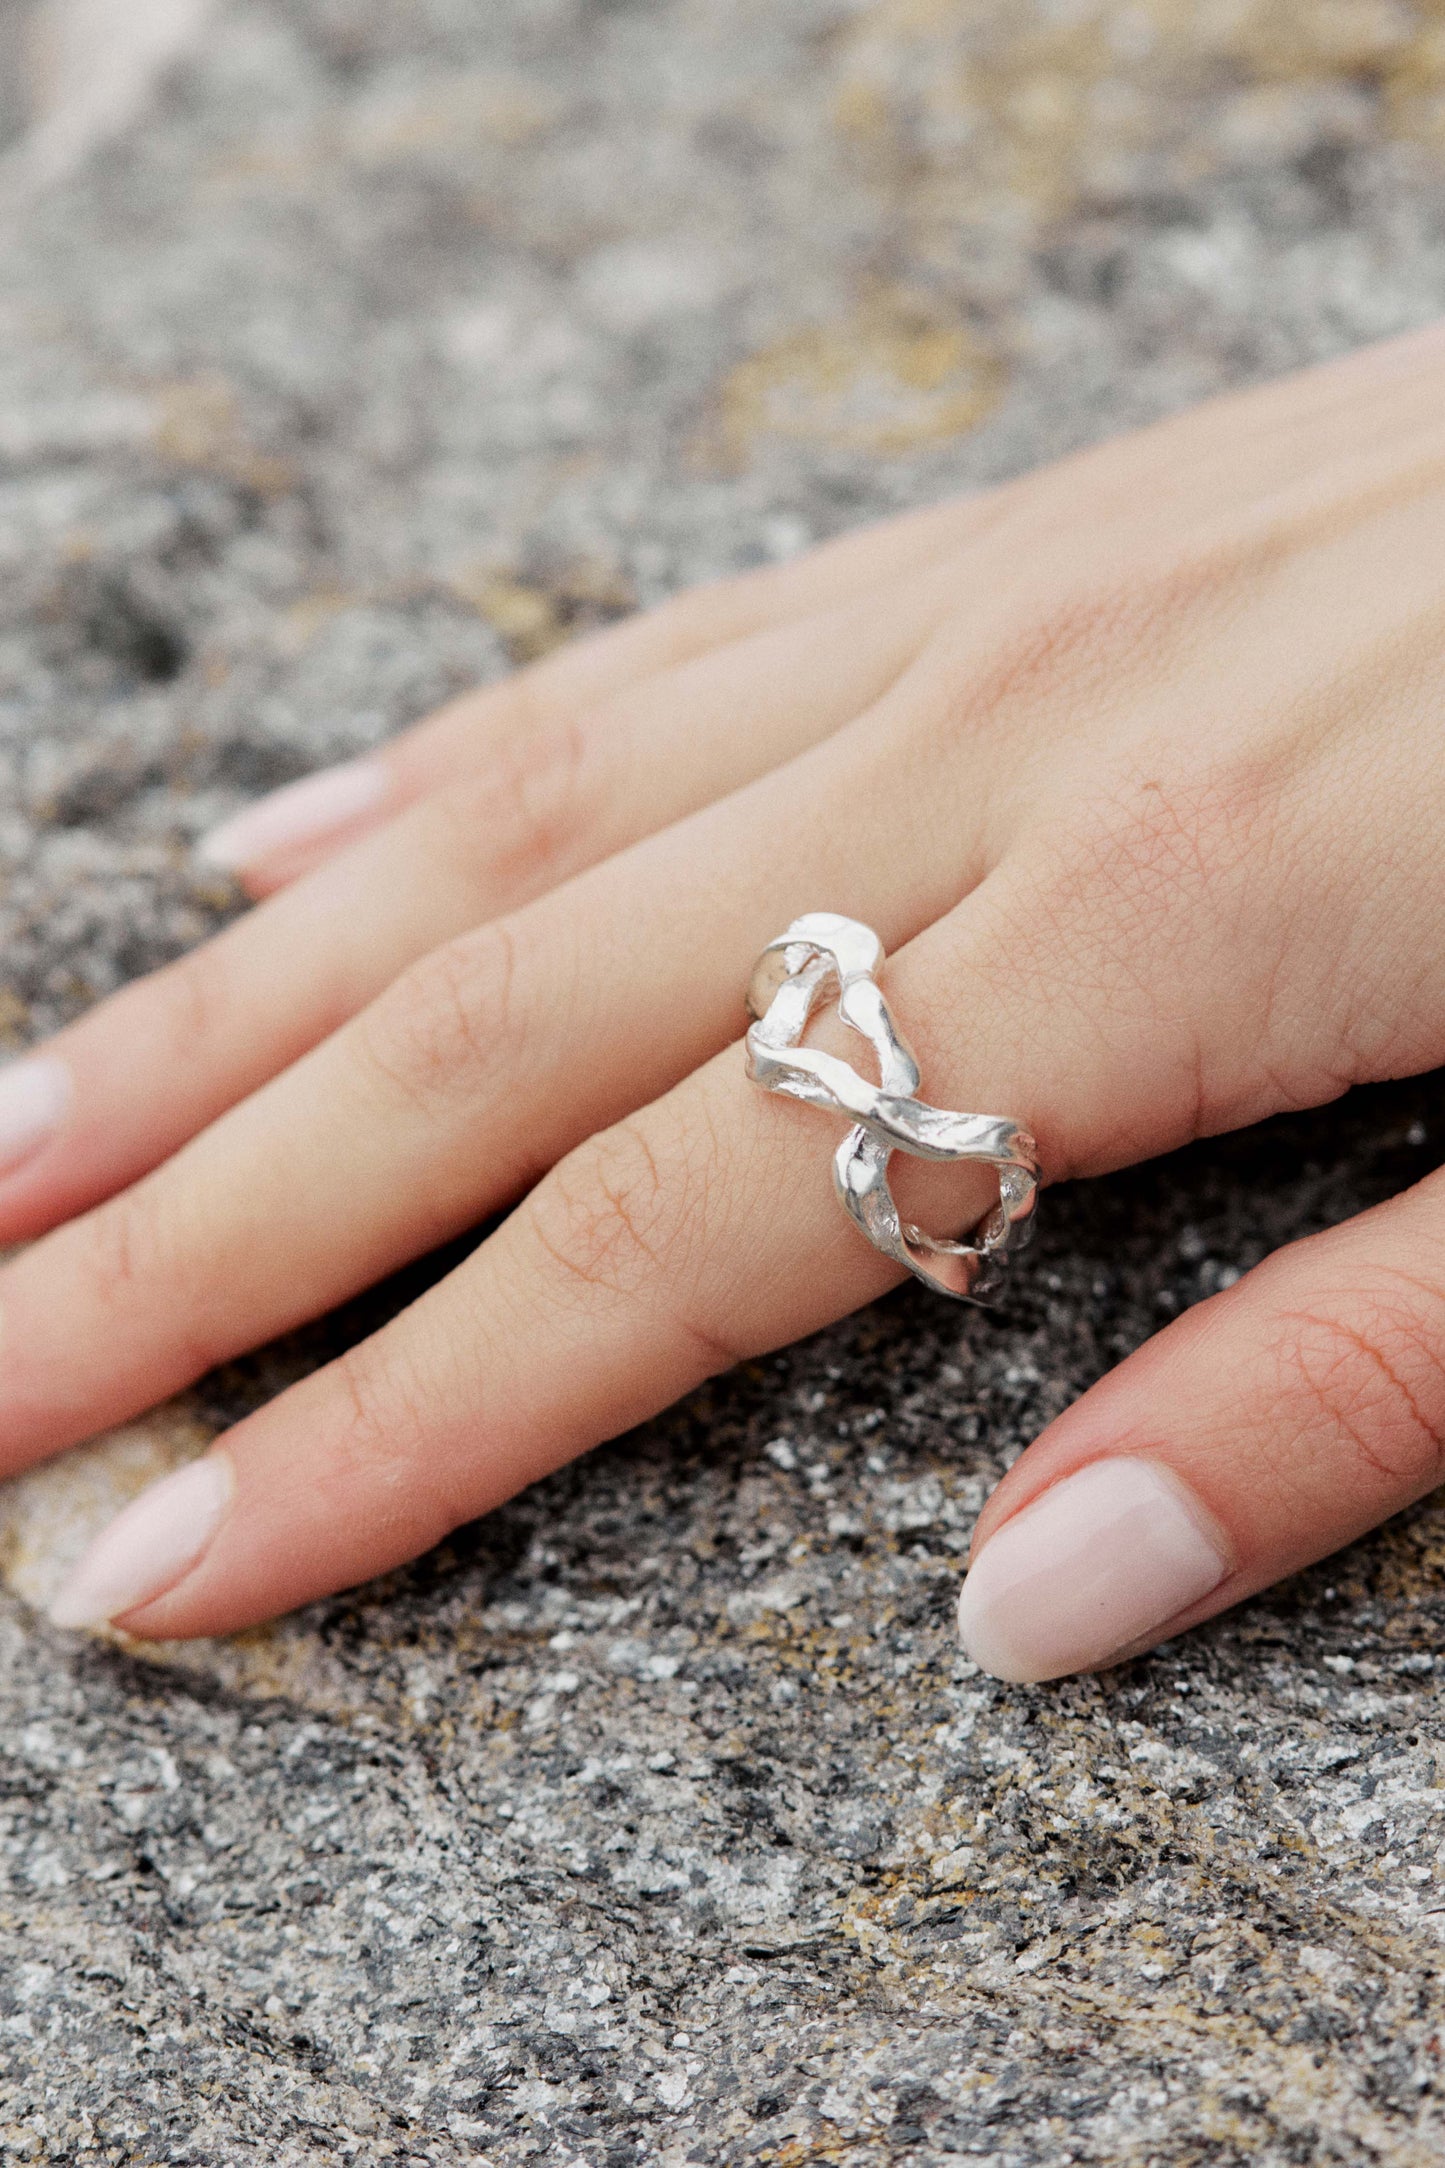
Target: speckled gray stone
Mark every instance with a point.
(658, 1819)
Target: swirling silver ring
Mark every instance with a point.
(790, 977)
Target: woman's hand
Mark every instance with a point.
(1138, 765)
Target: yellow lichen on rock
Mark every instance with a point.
(982, 123)
(1012, 112)
(198, 424)
(448, 112)
(893, 377)
(534, 616)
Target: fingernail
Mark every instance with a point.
(35, 1096)
(319, 805)
(1099, 1561)
(147, 1548)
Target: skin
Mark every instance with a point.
(1136, 767)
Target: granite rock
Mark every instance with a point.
(363, 350)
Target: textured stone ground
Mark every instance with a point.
(657, 1819)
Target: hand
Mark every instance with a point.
(1135, 765)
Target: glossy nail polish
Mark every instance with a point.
(35, 1097)
(318, 807)
(150, 1546)
(1096, 1563)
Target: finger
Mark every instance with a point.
(1079, 989)
(176, 1054)
(462, 1084)
(286, 834)
(1249, 453)
(1056, 1035)
(127, 1085)
(1053, 995)
(611, 1290)
(703, 1227)
(1263, 1430)
(699, 1230)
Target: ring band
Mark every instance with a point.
(790, 977)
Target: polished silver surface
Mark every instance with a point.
(794, 973)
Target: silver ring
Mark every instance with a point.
(789, 979)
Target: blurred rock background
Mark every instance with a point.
(351, 351)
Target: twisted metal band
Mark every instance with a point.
(789, 979)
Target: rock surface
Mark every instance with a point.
(658, 1819)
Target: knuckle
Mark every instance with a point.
(1371, 1370)
(138, 1251)
(527, 816)
(1152, 908)
(448, 1021)
(1072, 637)
(626, 1218)
(542, 783)
(384, 1427)
(382, 1450)
(1153, 875)
(130, 1245)
(1110, 893)
(608, 1214)
(1159, 839)
(197, 998)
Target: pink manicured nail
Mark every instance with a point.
(149, 1546)
(319, 805)
(35, 1096)
(1096, 1563)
